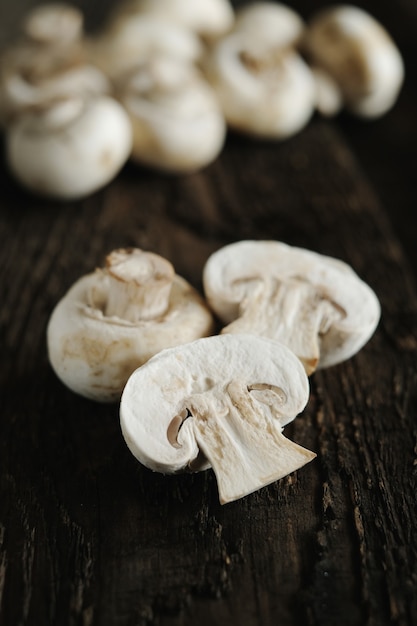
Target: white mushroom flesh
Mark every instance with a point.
(226, 397)
(140, 285)
(112, 321)
(314, 304)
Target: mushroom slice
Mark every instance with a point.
(226, 397)
(360, 56)
(111, 321)
(69, 148)
(314, 304)
(265, 90)
(177, 122)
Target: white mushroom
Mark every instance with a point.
(177, 122)
(71, 148)
(275, 22)
(360, 56)
(220, 401)
(208, 18)
(131, 40)
(113, 320)
(48, 63)
(314, 304)
(329, 98)
(58, 23)
(264, 90)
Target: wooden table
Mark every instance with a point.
(88, 536)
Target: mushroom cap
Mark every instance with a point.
(177, 122)
(72, 148)
(160, 391)
(94, 355)
(54, 22)
(360, 56)
(264, 90)
(131, 40)
(208, 18)
(235, 272)
(276, 22)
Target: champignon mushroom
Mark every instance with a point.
(314, 304)
(265, 90)
(359, 55)
(48, 63)
(178, 125)
(274, 21)
(220, 401)
(133, 39)
(114, 319)
(70, 148)
(329, 98)
(207, 18)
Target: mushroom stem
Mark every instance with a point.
(244, 446)
(293, 312)
(140, 285)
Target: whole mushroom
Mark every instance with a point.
(113, 320)
(274, 21)
(130, 40)
(264, 86)
(207, 18)
(48, 63)
(359, 55)
(220, 402)
(69, 149)
(314, 304)
(178, 125)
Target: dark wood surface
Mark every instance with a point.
(88, 537)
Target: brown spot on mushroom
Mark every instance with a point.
(106, 158)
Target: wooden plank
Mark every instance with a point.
(89, 537)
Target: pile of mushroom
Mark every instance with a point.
(166, 78)
(137, 333)
(65, 136)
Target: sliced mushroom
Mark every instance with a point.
(70, 148)
(224, 399)
(177, 122)
(47, 63)
(265, 90)
(111, 321)
(208, 18)
(359, 55)
(314, 304)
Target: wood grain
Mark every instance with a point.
(88, 537)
